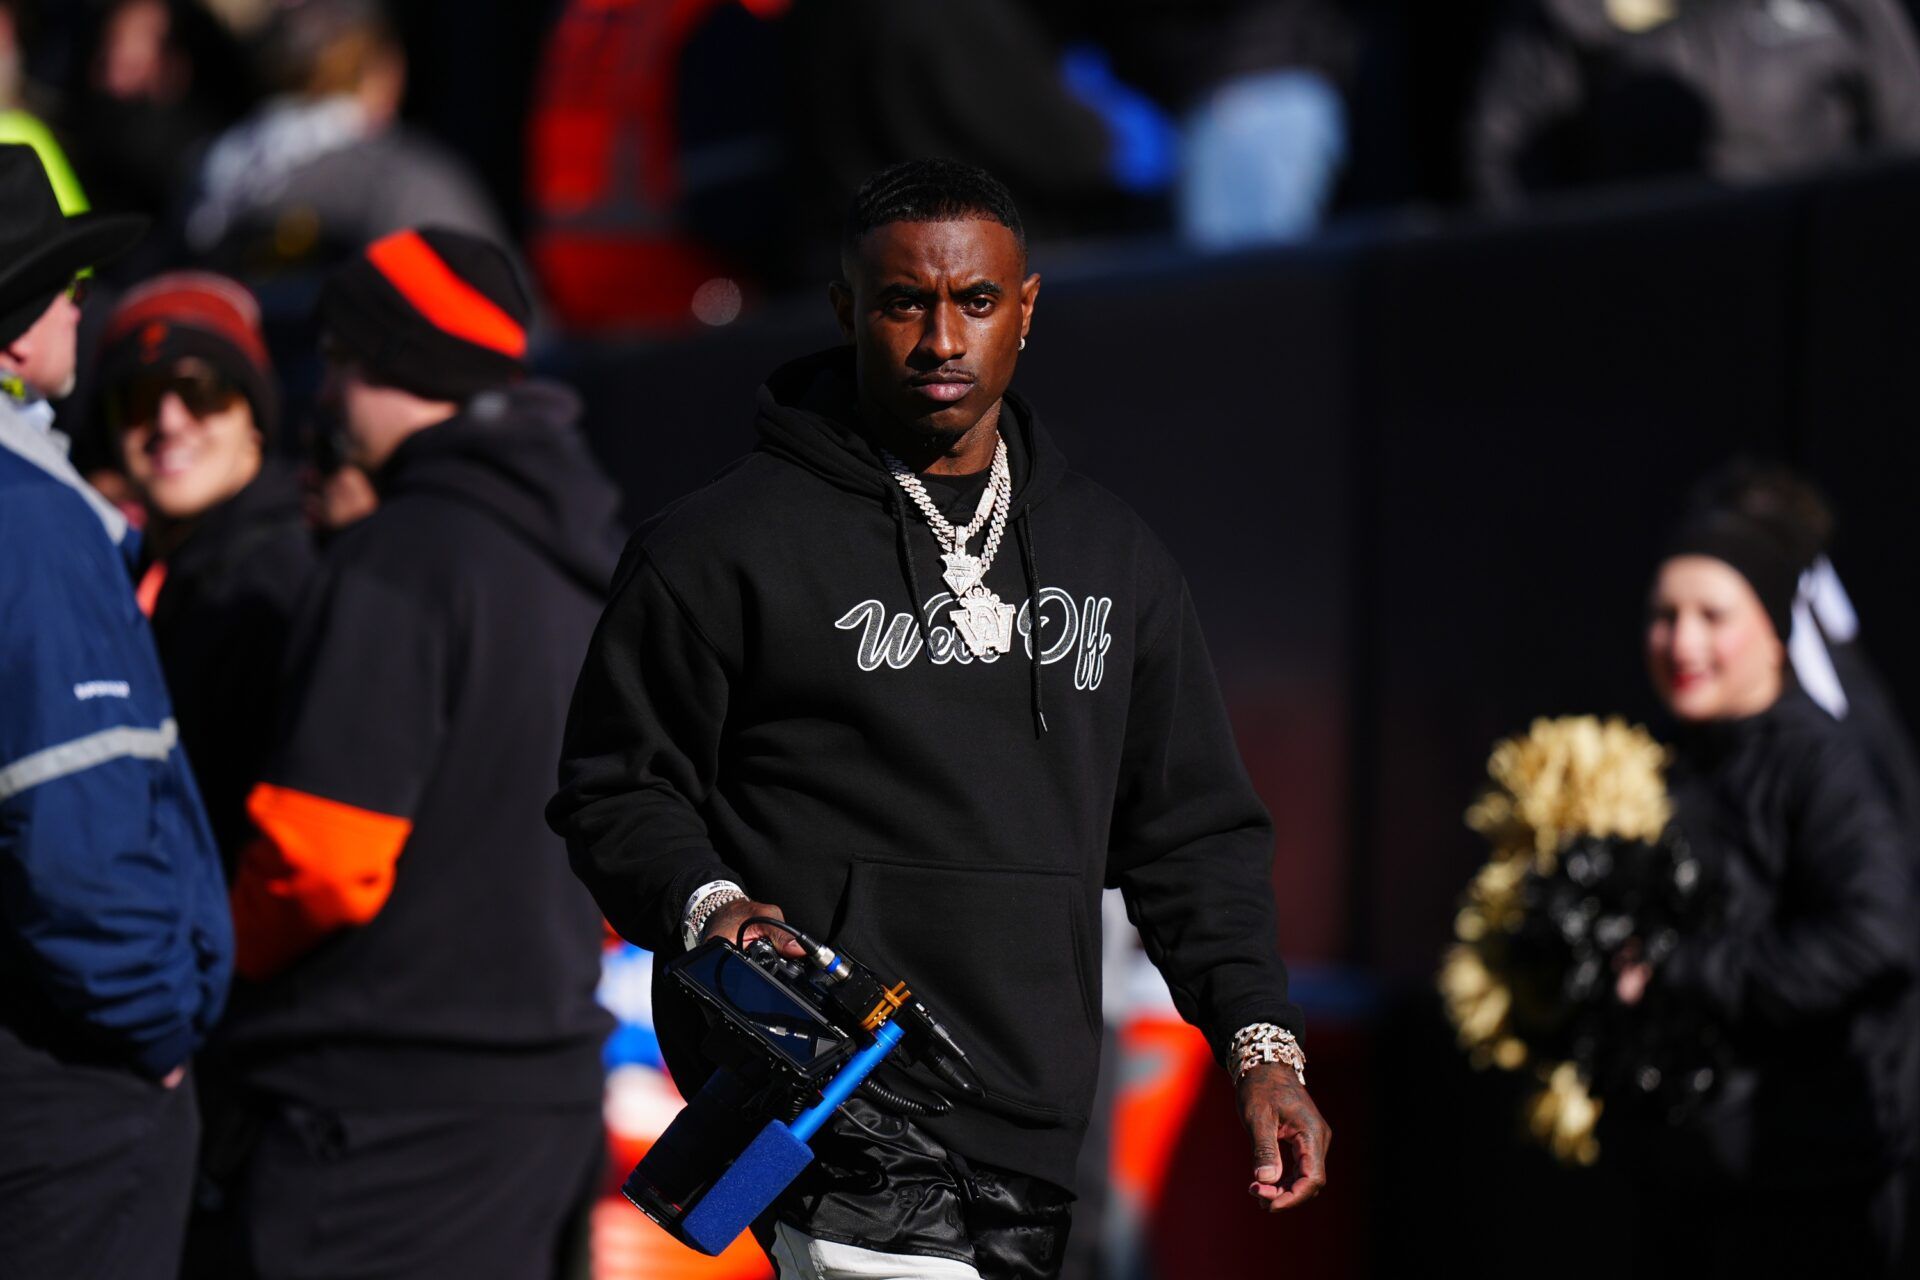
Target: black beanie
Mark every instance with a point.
(1752, 552)
(440, 313)
(192, 314)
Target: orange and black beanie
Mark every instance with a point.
(192, 314)
(440, 313)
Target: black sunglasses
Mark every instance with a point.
(203, 391)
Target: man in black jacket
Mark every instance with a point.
(418, 1016)
(1577, 92)
(814, 694)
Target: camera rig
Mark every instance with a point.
(791, 1041)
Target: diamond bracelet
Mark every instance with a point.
(1264, 1042)
(707, 900)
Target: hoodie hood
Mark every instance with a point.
(518, 455)
(807, 415)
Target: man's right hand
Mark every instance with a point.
(725, 923)
(1290, 1137)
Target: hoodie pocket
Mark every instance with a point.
(1001, 957)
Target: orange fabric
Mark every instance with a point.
(572, 146)
(603, 165)
(147, 594)
(318, 866)
(448, 302)
(1152, 1106)
(617, 281)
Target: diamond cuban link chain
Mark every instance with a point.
(982, 620)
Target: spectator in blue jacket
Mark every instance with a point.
(115, 941)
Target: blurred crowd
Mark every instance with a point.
(670, 164)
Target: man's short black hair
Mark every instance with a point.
(930, 191)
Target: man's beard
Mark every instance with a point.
(936, 439)
(916, 439)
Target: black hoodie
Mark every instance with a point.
(759, 705)
(411, 931)
(221, 623)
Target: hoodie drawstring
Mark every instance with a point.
(1023, 529)
(898, 506)
(1023, 533)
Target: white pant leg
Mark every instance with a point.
(798, 1256)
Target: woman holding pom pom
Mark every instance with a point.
(1793, 1159)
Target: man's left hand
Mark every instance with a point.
(1290, 1139)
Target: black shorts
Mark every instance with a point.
(880, 1182)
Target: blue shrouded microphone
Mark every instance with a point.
(775, 1157)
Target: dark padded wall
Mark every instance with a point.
(1538, 401)
(1860, 427)
(1204, 399)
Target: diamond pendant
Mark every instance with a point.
(963, 572)
(984, 623)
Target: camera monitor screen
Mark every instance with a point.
(749, 995)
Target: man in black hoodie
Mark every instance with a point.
(812, 692)
(417, 1018)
